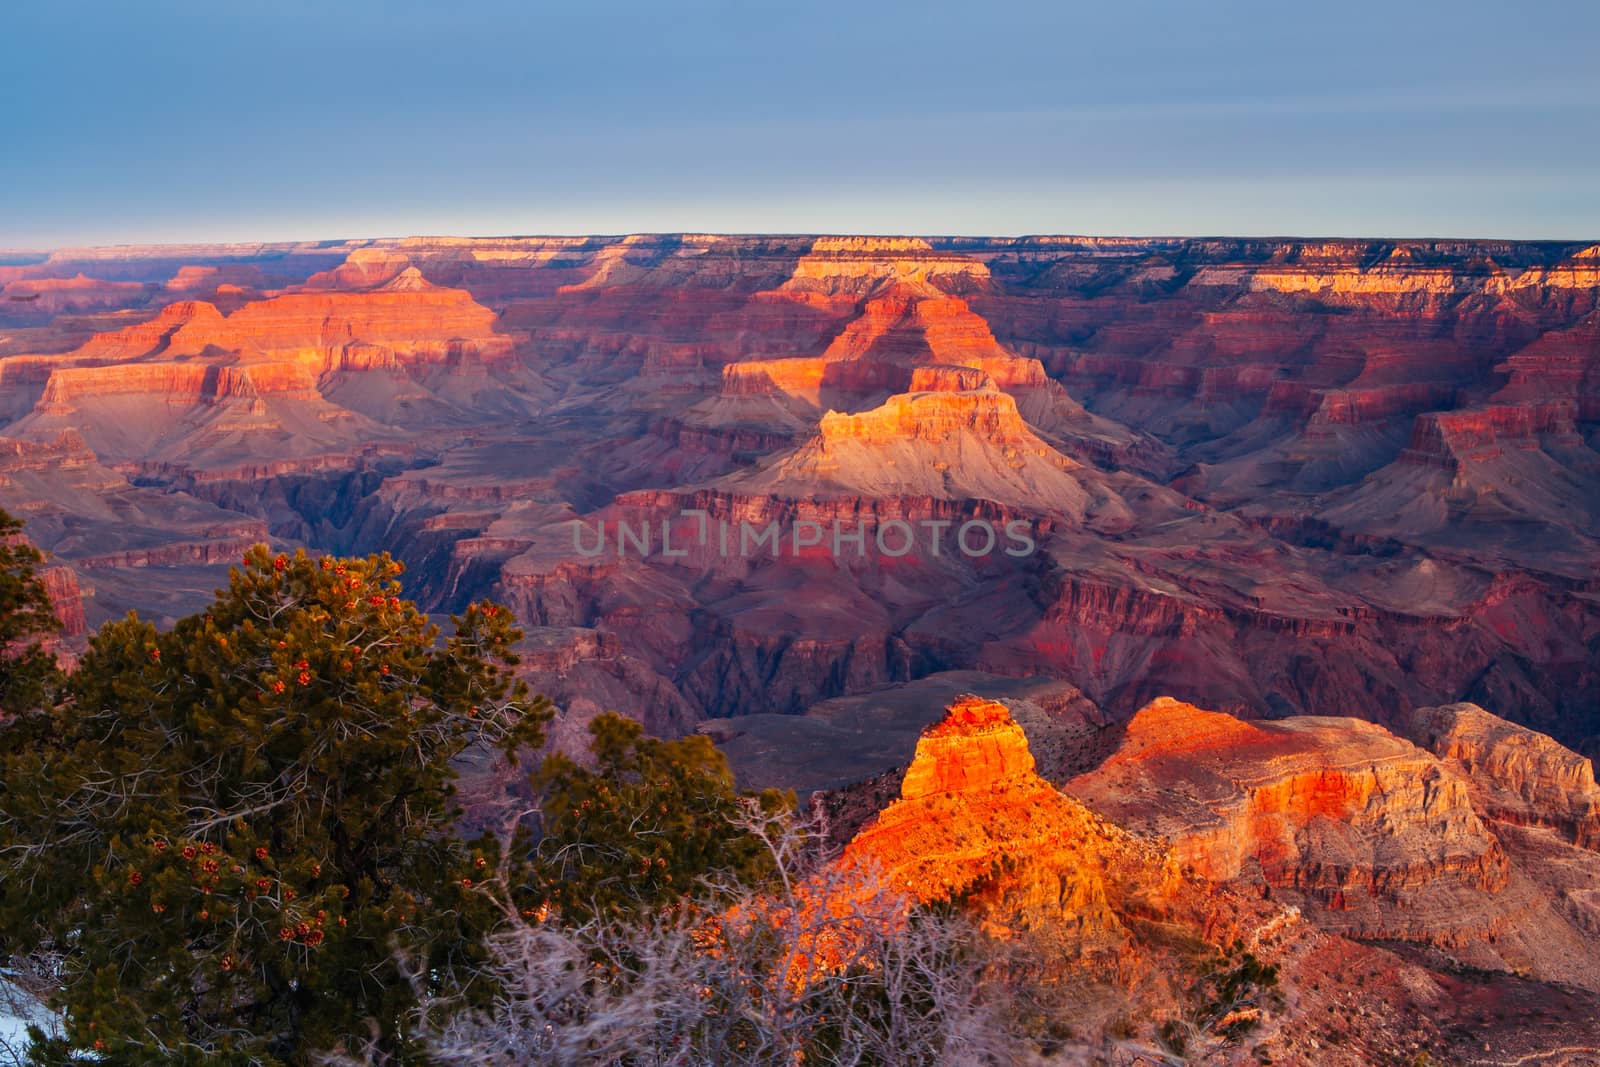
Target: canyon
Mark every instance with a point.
(1269, 477)
(1285, 630)
(1264, 475)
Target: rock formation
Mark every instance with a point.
(1517, 775)
(1337, 813)
(1368, 834)
(975, 822)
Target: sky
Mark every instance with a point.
(166, 120)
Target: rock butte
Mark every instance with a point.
(974, 821)
(1330, 810)
(1517, 775)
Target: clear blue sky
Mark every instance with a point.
(239, 119)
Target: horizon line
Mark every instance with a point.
(51, 250)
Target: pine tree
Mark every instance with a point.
(28, 673)
(232, 828)
(644, 825)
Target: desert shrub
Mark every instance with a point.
(820, 964)
(1226, 1001)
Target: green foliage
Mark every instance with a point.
(28, 673)
(1227, 1000)
(644, 824)
(231, 828)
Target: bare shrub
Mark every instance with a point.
(827, 965)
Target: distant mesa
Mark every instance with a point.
(364, 268)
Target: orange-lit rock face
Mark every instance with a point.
(282, 379)
(147, 338)
(1341, 814)
(175, 383)
(940, 379)
(952, 446)
(974, 747)
(973, 819)
(918, 323)
(932, 417)
(858, 265)
(405, 316)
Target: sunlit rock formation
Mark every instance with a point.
(1368, 834)
(975, 825)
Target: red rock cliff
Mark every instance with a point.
(974, 819)
(1376, 834)
(1519, 775)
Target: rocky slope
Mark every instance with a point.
(1335, 813)
(1125, 921)
(1368, 834)
(1517, 775)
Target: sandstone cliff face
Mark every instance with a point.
(1562, 363)
(364, 268)
(974, 821)
(1519, 775)
(66, 600)
(908, 322)
(1453, 439)
(971, 445)
(415, 321)
(933, 418)
(1336, 813)
(174, 383)
(146, 338)
(1370, 835)
(857, 265)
